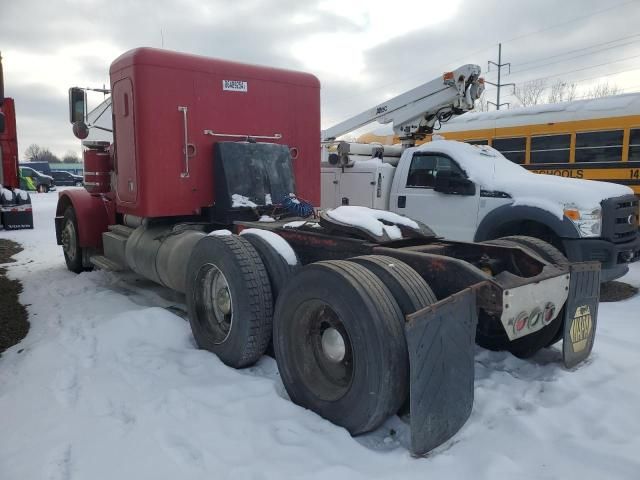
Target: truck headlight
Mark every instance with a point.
(588, 222)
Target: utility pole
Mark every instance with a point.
(499, 84)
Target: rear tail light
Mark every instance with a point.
(521, 321)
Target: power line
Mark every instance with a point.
(583, 69)
(582, 17)
(594, 78)
(371, 90)
(573, 57)
(579, 49)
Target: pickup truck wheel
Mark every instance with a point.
(340, 345)
(494, 338)
(70, 242)
(42, 188)
(78, 184)
(408, 288)
(229, 299)
(543, 249)
(278, 269)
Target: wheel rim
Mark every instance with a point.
(69, 244)
(214, 303)
(325, 356)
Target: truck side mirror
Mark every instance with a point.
(77, 105)
(80, 130)
(447, 182)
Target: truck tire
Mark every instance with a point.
(70, 241)
(408, 288)
(229, 299)
(278, 269)
(492, 338)
(340, 345)
(42, 188)
(543, 249)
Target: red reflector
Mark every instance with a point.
(521, 321)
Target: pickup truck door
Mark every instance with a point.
(451, 215)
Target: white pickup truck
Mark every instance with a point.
(473, 193)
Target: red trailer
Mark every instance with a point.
(15, 204)
(209, 188)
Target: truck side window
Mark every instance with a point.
(424, 169)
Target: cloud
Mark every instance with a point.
(363, 51)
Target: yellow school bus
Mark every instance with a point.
(595, 139)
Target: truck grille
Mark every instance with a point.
(620, 219)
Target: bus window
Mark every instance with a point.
(550, 149)
(512, 148)
(477, 142)
(634, 145)
(605, 146)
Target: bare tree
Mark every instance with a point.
(32, 152)
(35, 153)
(602, 90)
(530, 93)
(71, 157)
(561, 91)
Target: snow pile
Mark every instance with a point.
(490, 170)
(266, 218)
(7, 194)
(241, 201)
(24, 195)
(220, 233)
(371, 220)
(276, 241)
(294, 224)
(611, 106)
(108, 386)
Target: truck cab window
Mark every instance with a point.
(424, 169)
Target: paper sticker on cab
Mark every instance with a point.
(235, 85)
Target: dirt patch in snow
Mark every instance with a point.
(616, 291)
(14, 324)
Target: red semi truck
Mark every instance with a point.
(209, 188)
(15, 204)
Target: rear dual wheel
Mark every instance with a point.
(338, 338)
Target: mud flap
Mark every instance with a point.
(441, 342)
(581, 313)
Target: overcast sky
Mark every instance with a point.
(363, 51)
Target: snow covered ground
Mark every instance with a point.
(109, 385)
